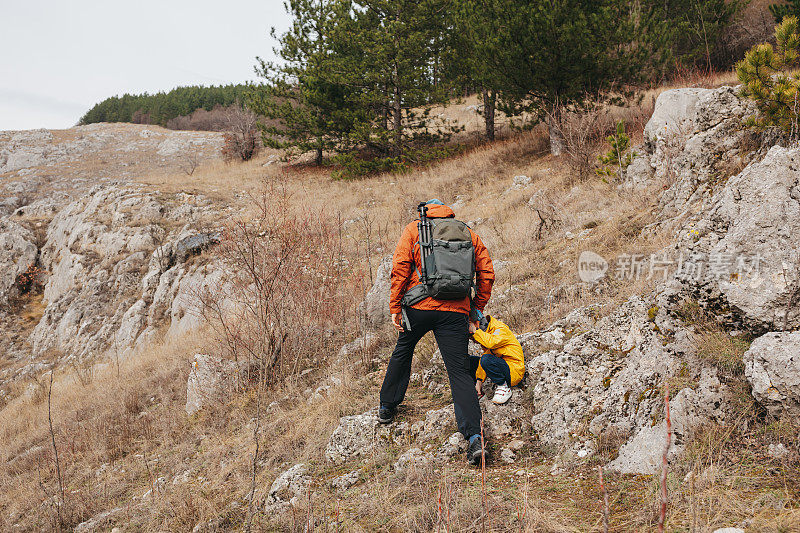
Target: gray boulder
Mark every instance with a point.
(290, 486)
(509, 419)
(412, 459)
(345, 481)
(694, 137)
(9, 204)
(643, 453)
(436, 422)
(454, 445)
(375, 307)
(365, 343)
(772, 366)
(357, 436)
(745, 247)
(211, 381)
(353, 437)
(194, 244)
(672, 109)
(610, 378)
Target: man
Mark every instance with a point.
(448, 319)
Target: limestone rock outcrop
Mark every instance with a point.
(17, 254)
(745, 246)
(772, 366)
(110, 277)
(694, 138)
(376, 303)
(289, 486)
(211, 381)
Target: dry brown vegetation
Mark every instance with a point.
(125, 432)
(123, 436)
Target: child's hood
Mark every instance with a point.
(494, 324)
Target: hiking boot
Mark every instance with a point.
(474, 451)
(502, 393)
(386, 414)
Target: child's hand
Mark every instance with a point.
(473, 327)
(479, 388)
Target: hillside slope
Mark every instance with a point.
(154, 419)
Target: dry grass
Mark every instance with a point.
(714, 343)
(119, 429)
(122, 430)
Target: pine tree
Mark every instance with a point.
(767, 78)
(304, 95)
(785, 9)
(538, 56)
(688, 30)
(541, 56)
(394, 52)
(469, 67)
(618, 158)
(161, 107)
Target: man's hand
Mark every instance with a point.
(473, 327)
(396, 322)
(479, 388)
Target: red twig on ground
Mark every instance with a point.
(662, 517)
(522, 508)
(605, 499)
(439, 507)
(483, 480)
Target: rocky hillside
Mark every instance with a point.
(92, 262)
(731, 198)
(702, 300)
(736, 258)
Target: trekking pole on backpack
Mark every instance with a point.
(424, 228)
(425, 235)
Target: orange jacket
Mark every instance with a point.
(406, 260)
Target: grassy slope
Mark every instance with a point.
(119, 428)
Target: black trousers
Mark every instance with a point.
(452, 335)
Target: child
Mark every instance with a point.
(502, 360)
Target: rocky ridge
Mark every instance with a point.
(116, 261)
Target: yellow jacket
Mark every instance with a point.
(499, 340)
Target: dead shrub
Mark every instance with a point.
(189, 161)
(582, 131)
(548, 217)
(241, 142)
(28, 283)
(286, 290)
(140, 117)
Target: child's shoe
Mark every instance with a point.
(502, 393)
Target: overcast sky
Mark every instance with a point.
(60, 57)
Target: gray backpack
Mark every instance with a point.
(447, 259)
